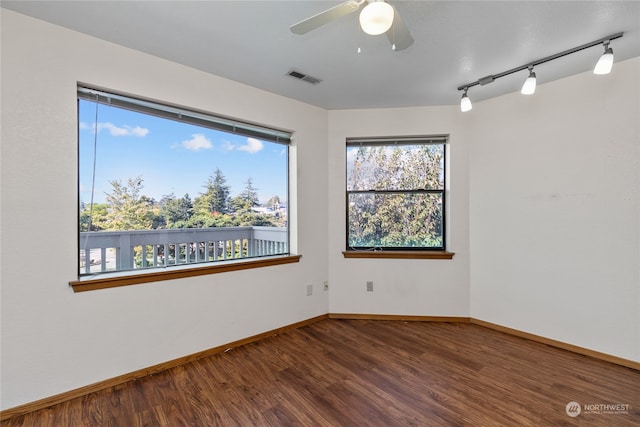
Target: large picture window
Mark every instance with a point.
(396, 193)
(163, 186)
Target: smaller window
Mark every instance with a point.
(396, 193)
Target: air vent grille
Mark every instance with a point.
(301, 76)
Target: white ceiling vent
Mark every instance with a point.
(304, 77)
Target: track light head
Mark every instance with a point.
(529, 86)
(605, 63)
(465, 102)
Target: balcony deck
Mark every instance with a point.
(109, 251)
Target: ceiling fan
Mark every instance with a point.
(376, 17)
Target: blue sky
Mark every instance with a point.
(172, 157)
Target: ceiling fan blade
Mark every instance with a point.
(399, 34)
(325, 17)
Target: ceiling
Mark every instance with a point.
(456, 42)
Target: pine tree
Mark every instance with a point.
(215, 199)
(176, 212)
(247, 199)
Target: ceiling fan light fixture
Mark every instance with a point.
(376, 17)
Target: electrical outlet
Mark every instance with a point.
(369, 286)
(326, 285)
(309, 289)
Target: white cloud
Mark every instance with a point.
(252, 146)
(227, 146)
(117, 130)
(138, 131)
(197, 142)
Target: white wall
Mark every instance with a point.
(408, 287)
(555, 213)
(54, 340)
(544, 218)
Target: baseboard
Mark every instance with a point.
(559, 344)
(399, 317)
(111, 382)
(102, 385)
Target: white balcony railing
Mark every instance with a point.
(104, 251)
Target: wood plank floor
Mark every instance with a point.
(368, 373)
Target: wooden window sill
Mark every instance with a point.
(399, 254)
(123, 279)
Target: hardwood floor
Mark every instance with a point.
(368, 373)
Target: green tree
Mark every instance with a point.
(247, 218)
(204, 220)
(97, 216)
(128, 209)
(176, 211)
(243, 204)
(247, 199)
(215, 199)
(395, 218)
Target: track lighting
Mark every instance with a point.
(376, 17)
(465, 102)
(529, 86)
(603, 66)
(605, 63)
